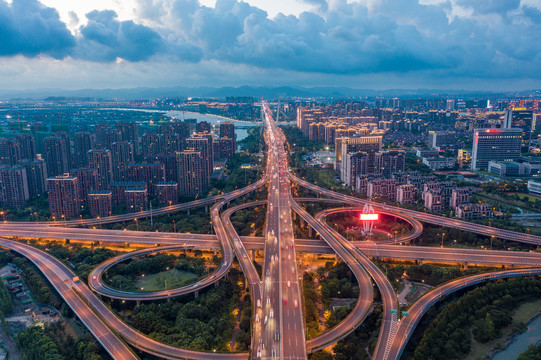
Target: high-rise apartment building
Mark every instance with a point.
(55, 152)
(122, 153)
(89, 180)
(136, 199)
(150, 173)
(224, 148)
(13, 185)
(118, 190)
(130, 132)
(64, 200)
(28, 146)
(10, 151)
(83, 142)
(102, 160)
(353, 165)
(36, 175)
(202, 143)
(519, 118)
(495, 144)
(167, 193)
(227, 130)
(190, 172)
(203, 126)
(100, 203)
(106, 135)
(369, 144)
(389, 162)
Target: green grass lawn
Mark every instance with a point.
(526, 196)
(523, 314)
(175, 278)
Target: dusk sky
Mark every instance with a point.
(374, 44)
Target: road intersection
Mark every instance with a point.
(278, 325)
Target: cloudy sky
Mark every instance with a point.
(377, 44)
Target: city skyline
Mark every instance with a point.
(368, 44)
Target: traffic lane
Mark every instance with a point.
(390, 301)
(433, 219)
(359, 312)
(419, 308)
(58, 275)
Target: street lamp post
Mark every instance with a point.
(136, 223)
(442, 235)
(3, 216)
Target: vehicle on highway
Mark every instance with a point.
(296, 303)
(266, 319)
(277, 336)
(288, 283)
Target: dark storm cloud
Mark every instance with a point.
(104, 38)
(498, 38)
(30, 29)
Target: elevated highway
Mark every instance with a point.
(425, 217)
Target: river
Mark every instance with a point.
(532, 336)
(241, 127)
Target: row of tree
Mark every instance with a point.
(483, 311)
(203, 323)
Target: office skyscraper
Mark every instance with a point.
(13, 186)
(64, 200)
(55, 152)
(102, 160)
(495, 144)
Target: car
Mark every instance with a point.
(243, 254)
(94, 277)
(268, 300)
(293, 270)
(288, 283)
(276, 336)
(284, 302)
(291, 246)
(271, 313)
(268, 273)
(266, 319)
(296, 303)
(257, 318)
(289, 256)
(282, 233)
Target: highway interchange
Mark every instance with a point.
(278, 325)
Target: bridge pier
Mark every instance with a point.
(419, 262)
(207, 209)
(301, 220)
(465, 265)
(188, 212)
(253, 255)
(138, 302)
(196, 293)
(310, 231)
(66, 241)
(215, 252)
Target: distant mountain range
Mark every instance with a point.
(255, 91)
